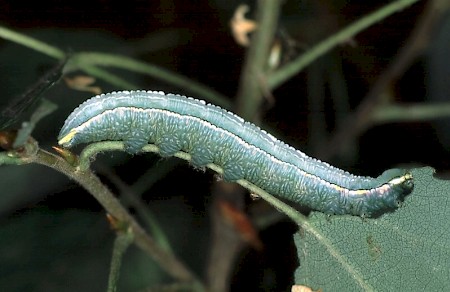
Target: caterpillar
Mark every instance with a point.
(213, 135)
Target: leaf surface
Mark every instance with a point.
(408, 250)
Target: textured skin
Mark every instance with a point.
(244, 151)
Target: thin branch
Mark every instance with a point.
(123, 62)
(363, 116)
(89, 61)
(130, 198)
(250, 93)
(410, 112)
(109, 77)
(293, 214)
(293, 68)
(152, 175)
(33, 43)
(121, 243)
(103, 195)
(93, 149)
(226, 243)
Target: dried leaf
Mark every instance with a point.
(82, 83)
(241, 222)
(241, 26)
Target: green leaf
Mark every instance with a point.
(408, 250)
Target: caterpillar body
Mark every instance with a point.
(244, 151)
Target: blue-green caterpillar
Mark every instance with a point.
(244, 151)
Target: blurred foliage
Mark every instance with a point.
(67, 247)
(43, 249)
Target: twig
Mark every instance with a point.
(363, 115)
(89, 62)
(33, 43)
(293, 68)
(108, 77)
(175, 268)
(154, 174)
(250, 93)
(102, 194)
(293, 214)
(123, 62)
(226, 243)
(93, 149)
(121, 243)
(410, 112)
(130, 198)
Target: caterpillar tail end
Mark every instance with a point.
(407, 181)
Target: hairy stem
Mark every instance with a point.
(103, 195)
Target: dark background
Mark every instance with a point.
(55, 235)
